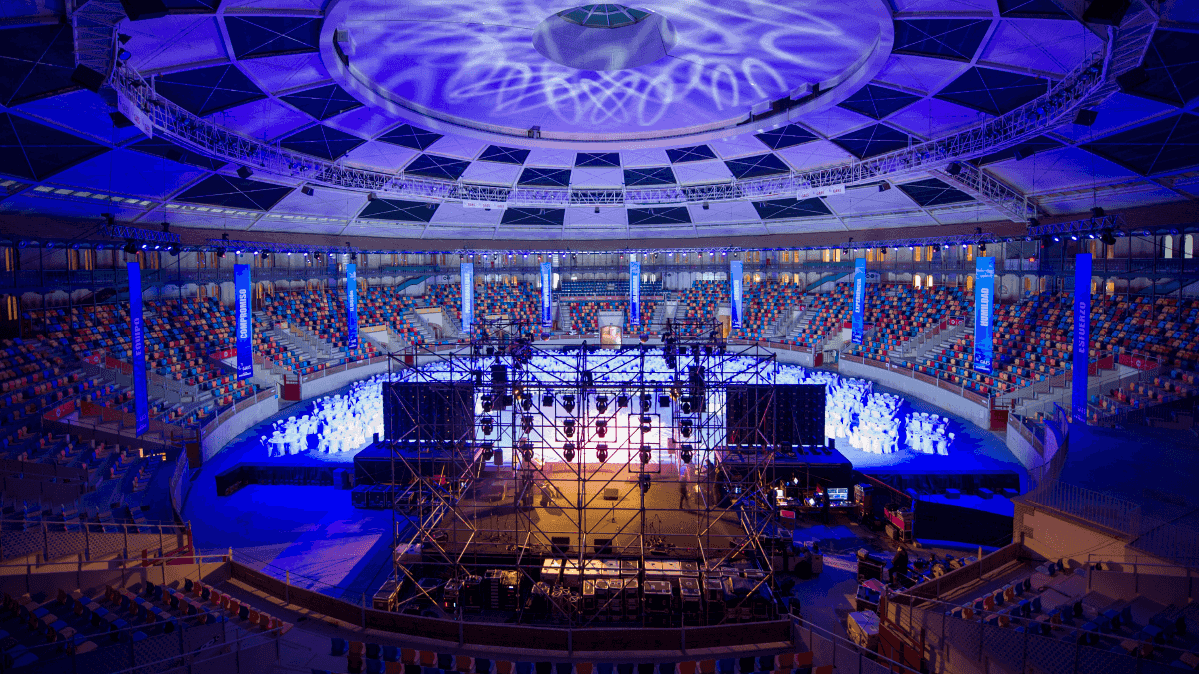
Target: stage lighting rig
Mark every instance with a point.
(487, 424)
(568, 452)
(526, 402)
(646, 402)
(601, 427)
(687, 453)
(568, 427)
(488, 451)
(526, 423)
(644, 454)
(601, 403)
(486, 401)
(547, 399)
(622, 401)
(568, 403)
(685, 426)
(526, 451)
(601, 452)
(644, 481)
(647, 423)
(663, 400)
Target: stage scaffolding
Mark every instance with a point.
(530, 452)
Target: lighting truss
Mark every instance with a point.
(988, 136)
(139, 234)
(93, 25)
(952, 240)
(280, 247)
(1115, 223)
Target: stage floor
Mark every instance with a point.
(327, 544)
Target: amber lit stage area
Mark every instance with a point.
(438, 503)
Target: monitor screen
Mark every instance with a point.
(838, 494)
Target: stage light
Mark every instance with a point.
(526, 423)
(568, 427)
(645, 454)
(173, 249)
(486, 401)
(1108, 238)
(526, 451)
(646, 402)
(644, 481)
(622, 401)
(982, 246)
(264, 255)
(647, 423)
(547, 399)
(688, 408)
(568, 403)
(601, 403)
(663, 400)
(488, 451)
(685, 426)
(686, 453)
(130, 247)
(1097, 212)
(1074, 237)
(526, 403)
(568, 452)
(601, 452)
(601, 427)
(487, 424)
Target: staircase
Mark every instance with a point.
(657, 321)
(799, 323)
(932, 338)
(422, 326)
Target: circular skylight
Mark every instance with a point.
(604, 16)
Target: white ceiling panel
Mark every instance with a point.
(697, 172)
(596, 177)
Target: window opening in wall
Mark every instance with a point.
(916, 281)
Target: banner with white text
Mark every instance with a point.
(984, 307)
(859, 300)
(352, 306)
(245, 324)
(137, 328)
(634, 293)
(1082, 337)
(735, 279)
(547, 295)
(468, 296)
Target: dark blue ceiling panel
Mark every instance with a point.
(756, 166)
(272, 35)
(646, 177)
(680, 155)
(323, 102)
(35, 152)
(600, 159)
(992, 91)
(780, 209)
(1031, 9)
(436, 166)
(35, 61)
(1170, 144)
(504, 155)
(398, 210)
(407, 135)
(204, 91)
(191, 6)
(787, 136)
(872, 140)
(544, 177)
(537, 217)
(669, 215)
(878, 102)
(159, 147)
(956, 39)
(1022, 150)
(1171, 68)
(933, 192)
(321, 141)
(233, 192)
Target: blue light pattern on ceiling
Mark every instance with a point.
(645, 177)
(878, 102)
(410, 136)
(992, 91)
(538, 217)
(34, 152)
(604, 15)
(758, 165)
(204, 91)
(1031, 9)
(232, 192)
(159, 147)
(670, 215)
(436, 166)
(780, 209)
(504, 155)
(787, 136)
(1026, 149)
(398, 210)
(35, 61)
(322, 102)
(321, 141)
(956, 39)
(1170, 144)
(544, 177)
(681, 155)
(1172, 66)
(597, 159)
(872, 140)
(272, 35)
(933, 192)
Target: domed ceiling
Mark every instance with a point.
(529, 119)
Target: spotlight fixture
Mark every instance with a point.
(568, 452)
(526, 403)
(647, 423)
(685, 426)
(646, 402)
(622, 401)
(244, 172)
(307, 191)
(645, 454)
(601, 427)
(487, 424)
(568, 427)
(601, 452)
(954, 168)
(1108, 237)
(601, 403)
(526, 423)
(130, 247)
(1097, 212)
(488, 451)
(547, 399)
(686, 453)
(264, 254)
(644, 481)
(526, 451)
(486, 401)
(568, 403)
(663, 400)
(1074, 237)
(173, 249)
(982, 247)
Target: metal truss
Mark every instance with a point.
(951, 240)
(539, 417)
(990, 190)
(256, 246)
(93, 24)
(1115, 223)
(139, 234)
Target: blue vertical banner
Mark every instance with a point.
(468, 296)
(984, 309)
(634, 293)
(352, 306)
(859, 299)
(137, 326)
(736, 277)
(245, 326)
(1082, 337)
(547, 294)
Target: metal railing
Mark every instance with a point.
(47, 540)
(1112, 513)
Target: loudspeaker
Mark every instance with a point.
(1132, 79)
(560, 545)
(1106, 12)
(137, 10)
(244, 172)
(603, 546)
(1086, 117)
(87, 78)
